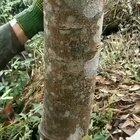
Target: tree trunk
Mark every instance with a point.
(72, 47)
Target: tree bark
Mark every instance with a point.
(72, 46)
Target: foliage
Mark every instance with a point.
(14, 122)
(8, 8)
(122, 50)
(12, 85)
(21, 85)
(24, 125)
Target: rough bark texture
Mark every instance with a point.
(72, 45)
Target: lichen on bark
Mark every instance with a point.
(70, 43)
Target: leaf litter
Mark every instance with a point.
(116, 108)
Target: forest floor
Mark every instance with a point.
(116, 106)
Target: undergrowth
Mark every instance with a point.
(20, 113)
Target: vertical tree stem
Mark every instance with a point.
(72, 45)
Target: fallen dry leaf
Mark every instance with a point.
(134, 88)
(125, 87)
(129, 130)
(104, 90)
(128, 122)
(136, 118)
(135, 136)
(103, 81)
(136, 108)
(9, 111)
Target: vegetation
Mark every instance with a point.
(116, 110)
